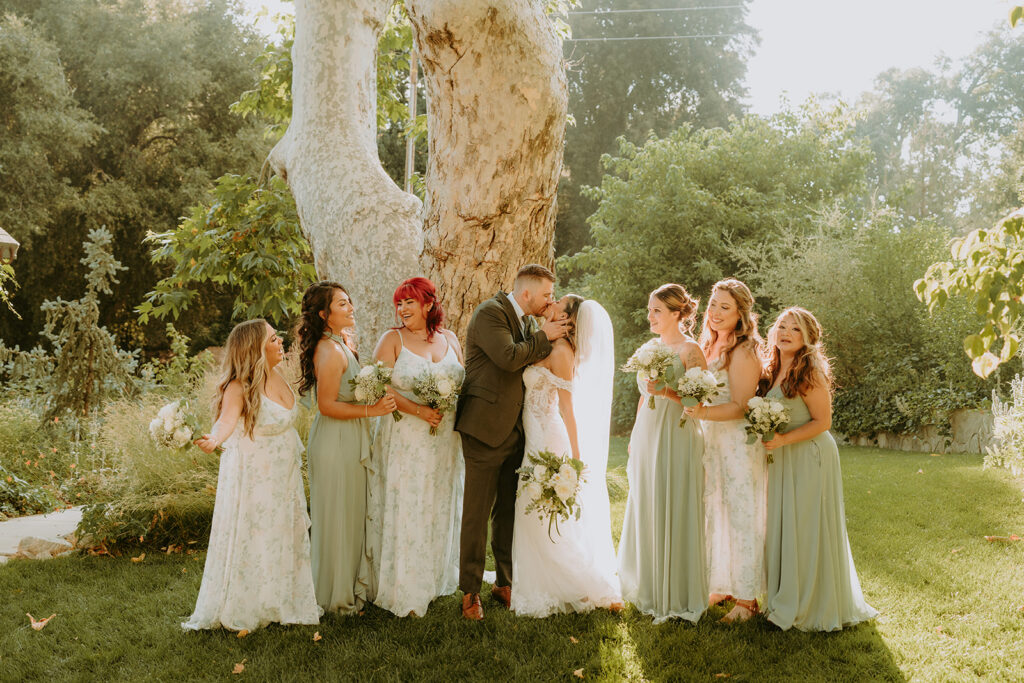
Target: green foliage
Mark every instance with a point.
(247, 239)
(85, 365)
(1007, 449)
(988, 270)
(18, 497)
(271, 100)
(179, 371)
(1016, 14)
(7, 286)
(634, 88)
(897, 367)
(127, 135)
(675, 209)
(152, 494)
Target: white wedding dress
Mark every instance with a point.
(735, 505)
(576, 571)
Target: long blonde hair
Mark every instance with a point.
(245, 359)
(810, 365)
(745, 334)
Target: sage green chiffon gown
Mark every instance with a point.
(812, 583)
(338, 455)
(662, 567)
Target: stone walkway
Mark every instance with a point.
(51, 527)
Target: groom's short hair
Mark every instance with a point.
(533, 272)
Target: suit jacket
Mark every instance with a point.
(497, 351)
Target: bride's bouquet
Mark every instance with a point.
(764, 419)
(439, 390)
(370, 385)
(174, 426)
(651, 363)
(697, 386)
(551, 484)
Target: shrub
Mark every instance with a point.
(19, 497)
(1007, 449)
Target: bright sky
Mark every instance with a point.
(814, 46)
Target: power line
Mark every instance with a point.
(603, 40)
(665, 9)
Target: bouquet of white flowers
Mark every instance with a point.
(764, 419)
(697, 386)
(551, 484)
(370, 385)
(174, 425)
(438, 389)
(651, 362)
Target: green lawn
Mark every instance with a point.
(950, 604)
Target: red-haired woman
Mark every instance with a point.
(416, 477)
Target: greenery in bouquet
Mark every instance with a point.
(652, 362)
(764, 419)
(370, 385)
(437, 389)
(551, 484)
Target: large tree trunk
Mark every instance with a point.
(496, 111)
(364, 231)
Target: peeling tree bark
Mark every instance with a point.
(496, 112)
(497, 107)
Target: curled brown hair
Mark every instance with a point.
(810, 366)
(745, 334)
(245, 360)
(316, 308)
(572, 309)
(678, 300)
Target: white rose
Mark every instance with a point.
(645, 356)
(155, 424)
(366, 371)
(533, 491)
(540, 472)
(694, 373)
(181, 436)
(564, 489)
(360, 394)
(776, 406)
(169, 423)
(445, 387)
(755, 403)
(167, 412)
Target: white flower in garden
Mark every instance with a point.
(540, 472)
(533, 491)
(445, 386)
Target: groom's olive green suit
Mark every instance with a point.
(490, 421)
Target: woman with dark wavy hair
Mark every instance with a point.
(416, 477)
(812, 582)
(338, 450)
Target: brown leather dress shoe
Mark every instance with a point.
(471, 607)
(502, 594)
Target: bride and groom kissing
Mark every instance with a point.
(529, 388)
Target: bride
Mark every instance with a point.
(575, 572)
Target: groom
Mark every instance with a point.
(501, 341)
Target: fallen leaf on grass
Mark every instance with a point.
(573, 640)
(38, 624)
(920, 471)
(954, 551)
(723, 675)
(317, 636)
(243, 633)
(1007, 539)
(578, 673)
(239, 668)
(140, 558)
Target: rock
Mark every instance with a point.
(32, 548)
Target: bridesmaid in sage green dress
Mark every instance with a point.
(338, 451)
(662, 565)
(812, 583)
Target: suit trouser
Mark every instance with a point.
(490, 492)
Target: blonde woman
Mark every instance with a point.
(258, 564)
(812, 583)
(735, 496)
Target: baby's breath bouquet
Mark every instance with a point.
(174, 425)
(651, 363)
(370, 385)
(438, 389)
(697, 386)
(551, 484)
(764, 419)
